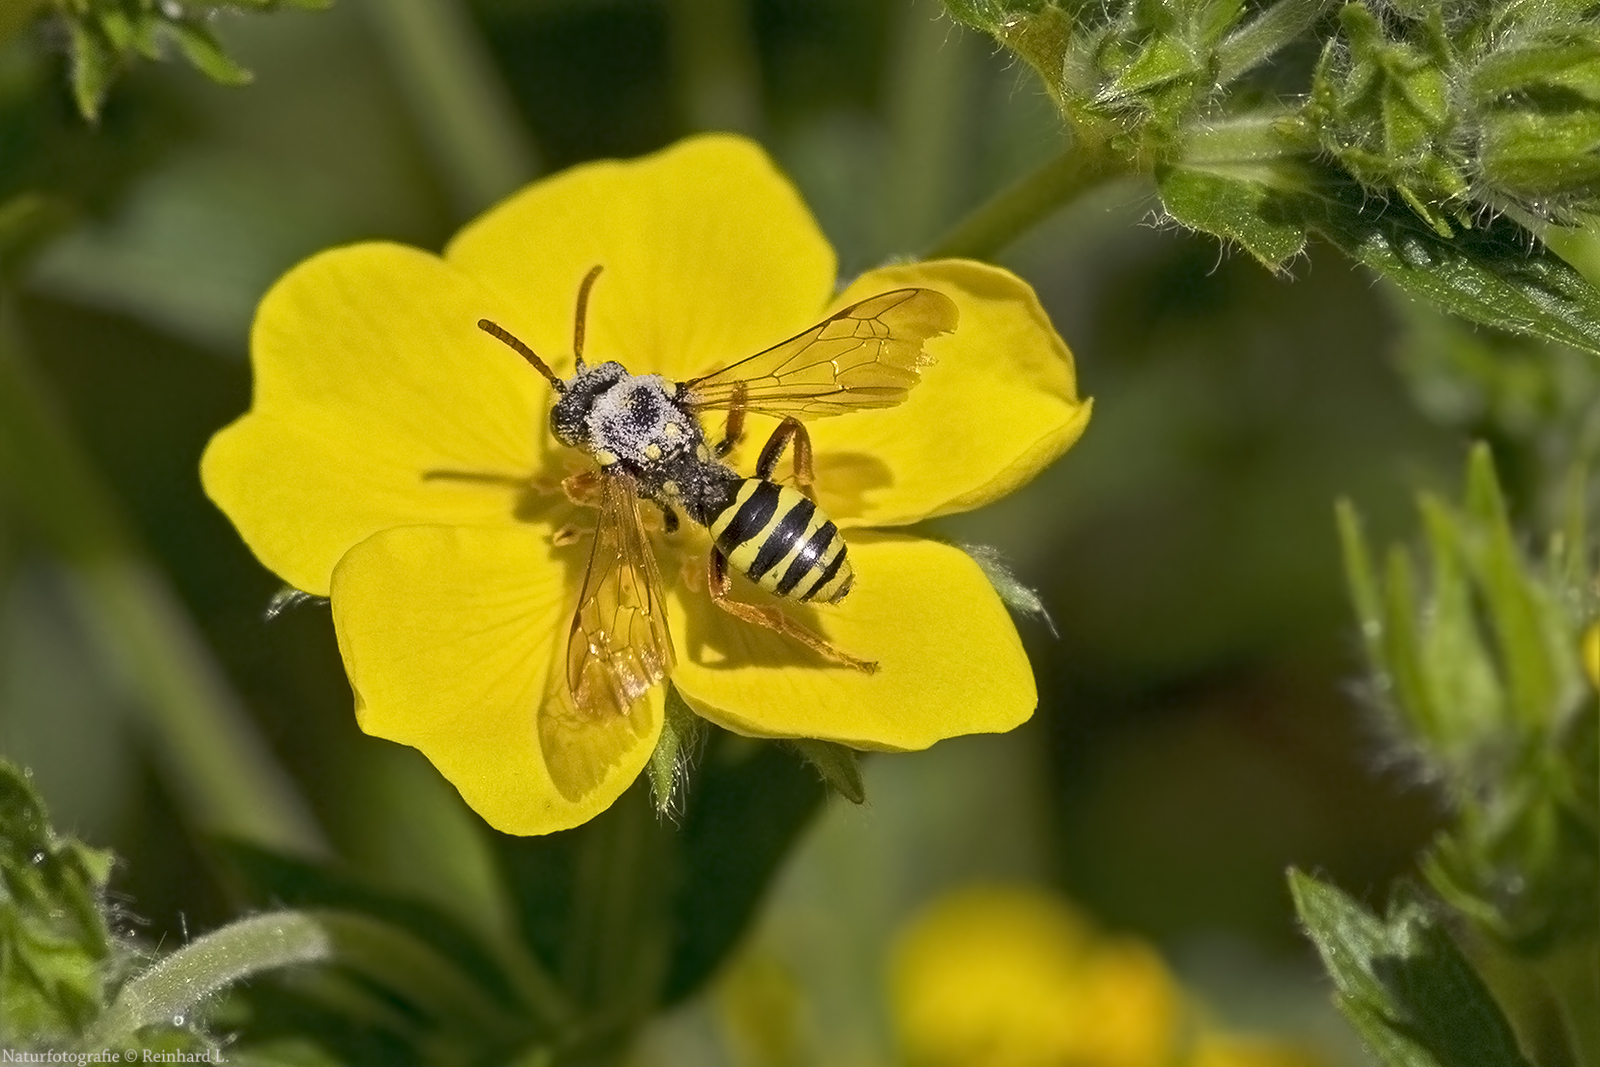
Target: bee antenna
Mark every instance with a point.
(582, 316)
(500, 333)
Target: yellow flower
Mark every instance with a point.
(1015, 978)
(400, 460)
(1589, 652)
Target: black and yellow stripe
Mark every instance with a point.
(778, 539)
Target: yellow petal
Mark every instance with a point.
(451, 637)
(709, 255)
(998, 405)
(949, 658)
(374, 392)
(998, 977)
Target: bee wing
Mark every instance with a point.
(866, 356)
(619, 646)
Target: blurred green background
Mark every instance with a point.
(1201, 725)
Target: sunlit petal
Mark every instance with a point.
(378, 402)
(450, 636)
(709, 255)
(949, 658)
(998, 405)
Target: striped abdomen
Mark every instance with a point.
(778, 539)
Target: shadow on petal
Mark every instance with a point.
(950, 661)
(846, 479)
(715, 640)
(580, 749)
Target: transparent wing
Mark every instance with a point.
(866, 356)
(619, 646)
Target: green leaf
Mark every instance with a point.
(434, 990)
(1244, 179)
(1255, 180)
(1468, 698)
(94, 66)
(57, 953)
(750, 802)
(993, 15)
(203, 50)
(107, 34)
(1402, 981)
(1016, 595)
(839, 765)
(1363, 580)
(1037, 30)
(1538, 645)
(1246, 212)
(682, 734)
(1413, 693)
(1254, 43)
(276, 879)
(1495, 274)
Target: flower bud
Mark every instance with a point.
(1383, 108)
(1537, 106)
(1481, 671)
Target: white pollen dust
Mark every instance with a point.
(635, 414)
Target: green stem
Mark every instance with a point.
(616, 955)
(931, 88)
(1574, 978)
(613, 908)
(167, 991)
(715, 67)
(462, 109)
(221, 770)
(1015, 210)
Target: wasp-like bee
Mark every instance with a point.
(645, 433)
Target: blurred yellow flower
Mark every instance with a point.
(452, 595)
(1014, 977)
(1589, 650)
(1223, 1050)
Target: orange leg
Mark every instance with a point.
(790, 429)
(774, 619)
(583, 488)
(733, 431)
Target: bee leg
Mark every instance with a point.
(790, 429)
(719, 582)
(583, 488)
(733, 430)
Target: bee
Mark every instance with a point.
(645, 435)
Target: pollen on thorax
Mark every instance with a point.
(635, 418)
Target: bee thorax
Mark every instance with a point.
(631, 419)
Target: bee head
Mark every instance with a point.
(569, 419)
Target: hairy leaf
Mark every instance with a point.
(282, 880)
(1403, 983)
(839, 765)
(57, 952)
